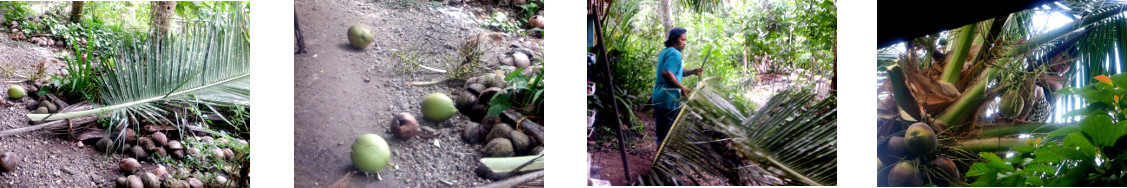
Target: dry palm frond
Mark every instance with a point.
(718, 136)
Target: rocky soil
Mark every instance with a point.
(341, 93)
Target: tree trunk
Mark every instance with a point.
(665, 8)
(160, 19)
(76, 11)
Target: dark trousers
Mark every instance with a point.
(665, 118)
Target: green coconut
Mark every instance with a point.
(16, 92)
(438, 107)
(920, 140)
(904, 174)
(360, 36)
(1011, 104)
(370, 153)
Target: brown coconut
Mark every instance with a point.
(9, 161)
(474, 133)
(129, 165)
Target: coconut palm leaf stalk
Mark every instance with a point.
(715, 137)
(206, 63)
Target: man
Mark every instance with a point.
(667, 84)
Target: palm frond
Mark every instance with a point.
(207, 63)
(713, 138)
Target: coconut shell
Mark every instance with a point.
(175, 145)
(536, 150)
(520, 141)
(129, 134)
(177, 154)
(520, 60)
(404, 126)
(500, 147)
(500, 130)
(103, 144)
(474, 133)
(488, 94)
(159, 139)
(488, 121)
(175, 183)
(146, 143)
(160, 152)
(129, 165)
(219, 181)
(465, 102)
(150, 180)
(476, 89)
(477, 112)
(32, 105)
(122, 182)
(51, 107)
(160, 171)
(139, 153)
(218, 153)
(508, 60)
(9, 161)
(42, 110)
(134, 181)
(228, 153)
(195, 183)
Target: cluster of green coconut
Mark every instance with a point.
(914, 160)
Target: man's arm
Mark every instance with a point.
(695, 71)
(676, 83)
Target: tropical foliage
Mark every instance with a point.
(715, 138)
(733, 39)
(955, 81)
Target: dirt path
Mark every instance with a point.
(640, 155)
(45, 159)
(334, 103)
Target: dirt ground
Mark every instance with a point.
(45, 159)
(341, 93)
(640, 156)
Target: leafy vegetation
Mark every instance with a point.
(1088, 154)
(958, 78)
(735, 39)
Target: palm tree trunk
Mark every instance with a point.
(160, 20)
(665, 9)
(76, 11)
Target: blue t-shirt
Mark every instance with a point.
(665, 95)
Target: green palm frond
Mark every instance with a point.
(714, 137)
(206, 63)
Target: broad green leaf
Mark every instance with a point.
(987, 180)
(1034, 181)
(990, 157)
(1064, 131)
(1101, 129)
(1036, 167)
(978, 169)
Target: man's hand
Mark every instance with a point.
(685, 92)
(696, 71)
